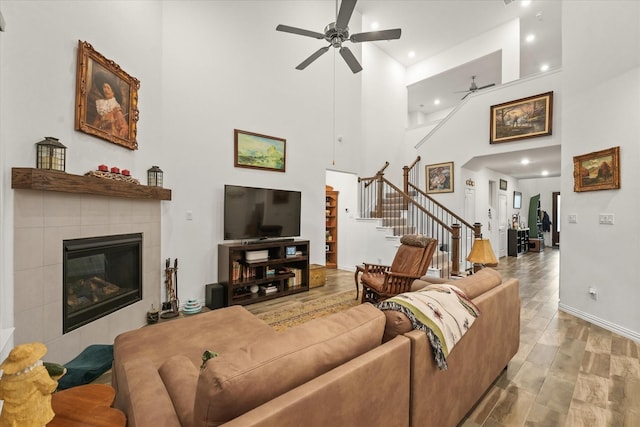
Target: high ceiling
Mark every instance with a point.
(430, 27)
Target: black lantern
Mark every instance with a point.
(50, 154)
(154, 177)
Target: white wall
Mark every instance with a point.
(384, 114)
(601, 81)
(205, 68)
(38, 80)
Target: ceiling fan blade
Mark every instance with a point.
(463, 98)
(376, 35)
(317, 54)
(299, 31)
(484, 87)
(351, 60)
(344, 15)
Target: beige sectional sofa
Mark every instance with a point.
(336, 370)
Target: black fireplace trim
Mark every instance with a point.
(74, 321)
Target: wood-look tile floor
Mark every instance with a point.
(567, 373)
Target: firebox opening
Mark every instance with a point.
(100, 276)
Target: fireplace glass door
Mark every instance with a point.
(101, 275)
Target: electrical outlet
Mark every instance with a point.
(606, 219)
(573, 218)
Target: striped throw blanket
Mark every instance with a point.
(443, 312)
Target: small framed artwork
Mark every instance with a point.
(256, 151)
(290, 251)
(599, 170)
(439, 178)
(503, 184)
(106, 99)
(517, 200)
(523, 118)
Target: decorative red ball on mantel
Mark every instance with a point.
(115, 169)
(103, 168)
(125, 172)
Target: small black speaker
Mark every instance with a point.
(214, 296)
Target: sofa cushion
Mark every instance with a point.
(180, 378)
(397, 323)
(240, 380)
(478, 283)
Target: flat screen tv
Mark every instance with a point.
(260, 213)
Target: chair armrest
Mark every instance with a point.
(376, 268)
(397, 283)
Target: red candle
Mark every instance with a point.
(126, 172)
(103, 168)
(115, 170)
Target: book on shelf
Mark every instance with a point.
(268, 289)
(296, 280)
(235, 271)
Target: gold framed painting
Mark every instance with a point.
(106, 98)
(257, 151)
(439, 178)
(599, 170)
(523, 118)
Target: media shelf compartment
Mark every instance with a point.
(235, 272)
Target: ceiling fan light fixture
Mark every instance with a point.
(338, 32)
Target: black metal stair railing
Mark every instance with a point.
(412, 211)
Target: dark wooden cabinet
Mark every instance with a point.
(284, 270)
(518, 241)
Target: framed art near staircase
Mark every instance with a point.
(523, 118)
(439, 178)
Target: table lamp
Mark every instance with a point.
(481, 254)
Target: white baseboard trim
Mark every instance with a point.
(627, 333)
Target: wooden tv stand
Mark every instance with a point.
(275, 276)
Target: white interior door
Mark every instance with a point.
(470, 205)
(502, 225)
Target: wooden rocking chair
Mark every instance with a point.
(380, 282)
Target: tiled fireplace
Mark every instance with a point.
(43, 221)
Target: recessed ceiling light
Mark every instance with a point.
(524, 161)
(374, 25)
(411, 54)
(436, 102)
(545, 173)
(544, 67)
(530, 38)
(525, 3)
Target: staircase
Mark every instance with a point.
(394, 215)
(412, 211)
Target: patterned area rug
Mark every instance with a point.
(297, 314)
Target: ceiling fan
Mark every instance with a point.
(336, 33)
(474, 87)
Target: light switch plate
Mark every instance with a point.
(573, 218)
(606, 218)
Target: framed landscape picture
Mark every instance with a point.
(503, 184)
(256, 151)
(106, 99)
(599, 170)
(439, 178)
(523, 118)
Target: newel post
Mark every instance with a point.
(455, 250)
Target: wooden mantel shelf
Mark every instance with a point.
(47, 180)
